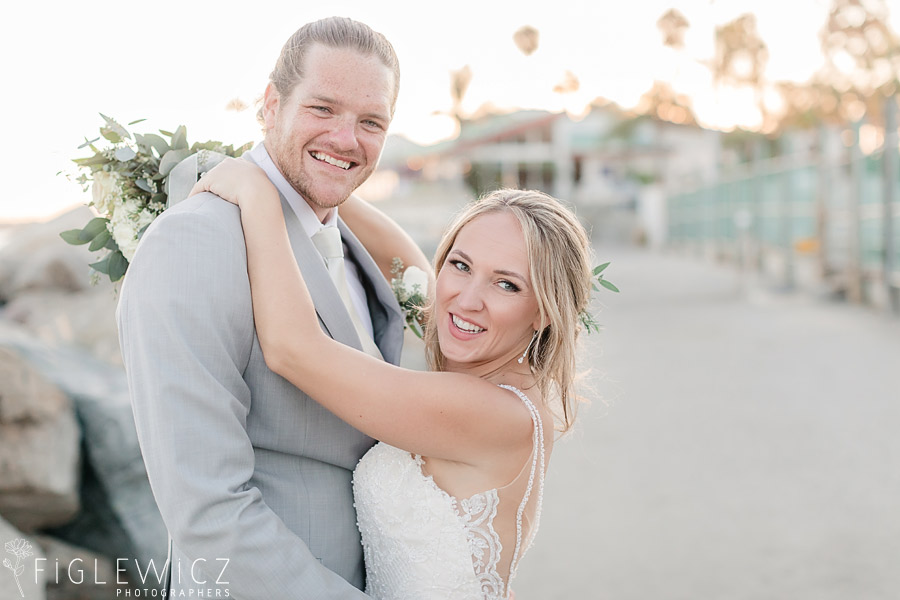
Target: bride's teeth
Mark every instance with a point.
(466, 326)
(331, 160)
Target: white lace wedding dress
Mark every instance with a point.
(420, 543)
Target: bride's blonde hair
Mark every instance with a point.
(559, 258)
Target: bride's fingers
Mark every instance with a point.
(217, 181)
(199, 187)
(233, 179)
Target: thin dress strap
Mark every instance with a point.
(537, 466)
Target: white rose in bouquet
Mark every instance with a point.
(104, 191)
(126, 222)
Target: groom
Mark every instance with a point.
(252, 477)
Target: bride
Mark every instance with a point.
(449, 500)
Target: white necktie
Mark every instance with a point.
(328, 243)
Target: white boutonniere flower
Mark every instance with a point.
(410, 287)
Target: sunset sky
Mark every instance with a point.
(182, 62)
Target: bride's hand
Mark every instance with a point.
(236, 181)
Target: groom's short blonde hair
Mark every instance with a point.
(334, 32)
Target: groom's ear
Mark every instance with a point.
(271, 101)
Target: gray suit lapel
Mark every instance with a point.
(329, 306)
(387, 323)
(326, 299)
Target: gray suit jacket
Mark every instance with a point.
(252, 477)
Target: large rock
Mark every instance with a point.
(39, 447)
(34, 257)
(86, 319)
(21, 554)
(45, 286)
(119, 517)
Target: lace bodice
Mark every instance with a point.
(421, 543)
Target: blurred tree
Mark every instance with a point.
(673, 25)
(660, 100)
(741, 55)
(237, 105)
(740, 59)
(459, 84)
(568, 84)
(806, 105)
(862, 62)
(526, 39)
(663, 103)
(862, 58)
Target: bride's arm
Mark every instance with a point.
(441, 415)
(383, 237)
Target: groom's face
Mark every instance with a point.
(327, 134)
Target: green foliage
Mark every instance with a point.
(113, 264)
(130, 170)
(412, 299)
(587, 319)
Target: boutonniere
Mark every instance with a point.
(410, 287)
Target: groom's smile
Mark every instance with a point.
(331, 160)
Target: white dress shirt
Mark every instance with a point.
(311, 225)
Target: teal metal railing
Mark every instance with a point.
(832, 210)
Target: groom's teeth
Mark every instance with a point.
(331, 160)
(466, 326)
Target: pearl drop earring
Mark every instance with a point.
(527, 348)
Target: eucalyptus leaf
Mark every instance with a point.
(164, 132)
(599, 268)
(142, 184)
(93, 228)
(160, 145)
(142, 144)
(113, 125)
(210, 145)
(172, 158)
(179, 138)
(88, 143)
(90, 161)
(100, 241)
(608, 285)
(102, 266)
(138, 121)
(111, 135)
(73, 236)
(125, 153)
(117, 265)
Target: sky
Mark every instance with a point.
(181, 62)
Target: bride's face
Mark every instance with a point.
(485, 306)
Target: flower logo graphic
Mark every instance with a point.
(20, 549)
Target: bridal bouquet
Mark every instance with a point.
(128, 180)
